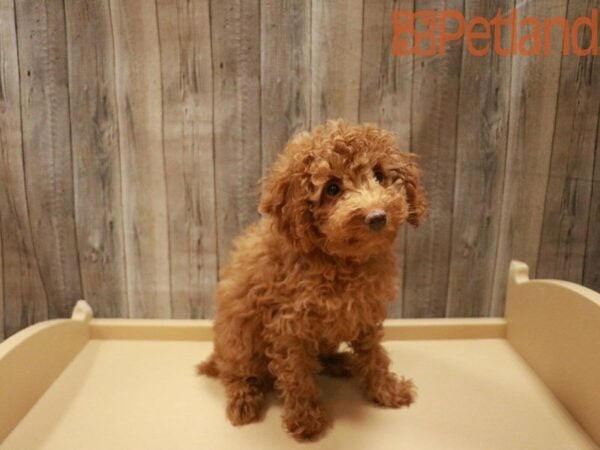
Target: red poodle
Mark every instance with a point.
(316, 271)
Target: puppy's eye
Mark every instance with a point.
(333, 189)
(379, 176)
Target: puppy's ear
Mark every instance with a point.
(285, 200)
(415, 193)
(275, 191)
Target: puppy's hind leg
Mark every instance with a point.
(208, 367)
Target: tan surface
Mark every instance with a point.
(473, 394)
(31, 360)
(555, 326)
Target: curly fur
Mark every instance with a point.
(311, 274)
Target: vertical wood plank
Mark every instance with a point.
(533, 91)
(96, 162)
(235, 37)
(336, 54)
(47, 149)
(138, 88)
(480, 158)
(435, 93)
(22, 297)
(186, 64)
(569, 190)
(591, 272)
(285, 73)
(386, 79)
(386, 93)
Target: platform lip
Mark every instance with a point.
(12, 343)
(201, 329)
(151, 329)
(574, 288)
(51, 346)
(553, 325)
(445, 328)
(395, 329)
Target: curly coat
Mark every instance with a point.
(313, 272)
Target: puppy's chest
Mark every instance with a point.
(344, 306)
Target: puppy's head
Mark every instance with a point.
(343, 189)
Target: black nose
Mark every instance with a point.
(376, 219)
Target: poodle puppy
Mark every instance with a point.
(316, 271)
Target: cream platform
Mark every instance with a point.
(530, 381)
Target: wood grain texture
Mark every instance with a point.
(186, 65)
(22, 297)
(285, 73)
(133, 134)
(138, 88)
(569, 188)
(533, 91)
(435, 93)
(96, 159)
(47, 149)
(591, 270)
(336, 30)
(386, 94)
(480, 152)
(235, 36)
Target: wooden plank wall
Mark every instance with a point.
(96, 157)
(23, 298)
(480, 162)
(133, 134)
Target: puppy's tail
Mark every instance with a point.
(208, 367)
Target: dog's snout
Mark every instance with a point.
(376, 219)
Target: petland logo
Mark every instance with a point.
(427, 32)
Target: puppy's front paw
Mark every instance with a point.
(243, 409)
(306, 422)
(392, 392)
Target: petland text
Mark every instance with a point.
(427, 32)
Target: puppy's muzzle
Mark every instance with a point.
(376, 219)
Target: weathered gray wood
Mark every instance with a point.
(480, 152)
(569, 189)
(235, 36)
(285, 73)
(138, 88)
(533, 91)
(22, 297)
(335, 54)
(591, 273)
(386, 94)
(165, 115)
(433, 126)
(96, 161)
(47, 149)
(186, 63)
